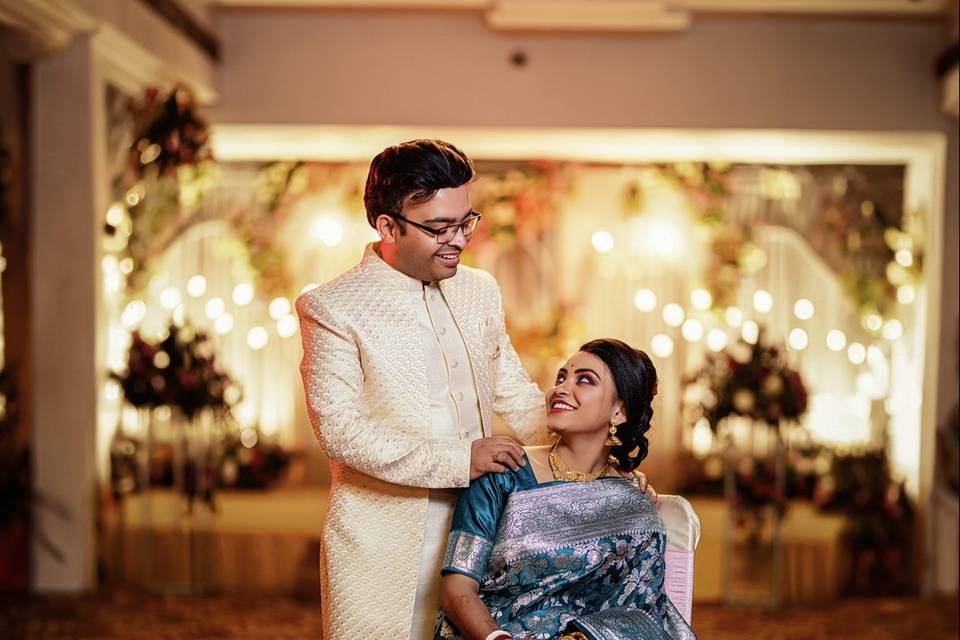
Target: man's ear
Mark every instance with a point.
(387, 228)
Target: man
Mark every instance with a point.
(406, 360)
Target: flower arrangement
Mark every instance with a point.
(258, 466)
(753, 381)
(168, 133)
(179, 371)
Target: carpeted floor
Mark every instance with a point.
(131, 616)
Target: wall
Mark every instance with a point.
(450, 69)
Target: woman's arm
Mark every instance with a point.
(460, 602)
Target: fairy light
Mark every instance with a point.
(733, 316)
(692, 330)
(803, 309)
(170, 298)
(214, 308)
(798, 339)
(762, 301)
(661, 345)
(701, 299)
(243, 294)
(257, 338)
(892, 329)
(673, 314)
(645, 300)
(602, 241)
(750, 332)
(857, 353)
(716, 340)
(287, 326)
(836, 340)
(906, 294)
(223, 324)
(279, 307)
(196, 286)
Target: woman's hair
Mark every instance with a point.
(635, 378)
(413, 171)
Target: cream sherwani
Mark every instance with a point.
(372, 399)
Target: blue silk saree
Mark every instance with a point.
(559, 557)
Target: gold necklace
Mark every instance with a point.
(562, 471)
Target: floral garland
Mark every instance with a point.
(281, 186)
(169, 169)
(873, 253)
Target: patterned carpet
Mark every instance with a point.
(132, 616)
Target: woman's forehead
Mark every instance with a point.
(585, 360)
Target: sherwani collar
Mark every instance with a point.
(394, 278)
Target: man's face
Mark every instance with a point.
(417, 252)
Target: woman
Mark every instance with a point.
(566, 547)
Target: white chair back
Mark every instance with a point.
(683, 536)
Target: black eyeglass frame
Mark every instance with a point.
(473, 218)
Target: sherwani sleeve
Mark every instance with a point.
(333, 382)
(516, 398)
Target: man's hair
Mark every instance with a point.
(413, 172)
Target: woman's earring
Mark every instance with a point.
(613, 440)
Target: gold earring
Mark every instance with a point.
(613, 440)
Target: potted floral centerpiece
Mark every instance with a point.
(754, 386)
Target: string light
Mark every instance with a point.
(196, 286)
(310, 286)
(673, 314)
(803, 309)
(170, 298)
(716, 340)
(214, 308)
(892, 329)
(750, 332)
(873, 322)
(661, 345)
(733, 316)
(857, 353)
(701, 299)
(645, 300)
(133, 314)
(279, 307)
(287, 326)
(602, 241)
(243, 294)
(762, 301)
(223, 324)
(906, 294)
(904, 257)
(836, 340)
(257, 338)
(327, 230)
(692, 330)
(798, 339)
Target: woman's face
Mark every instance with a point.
(584, 397)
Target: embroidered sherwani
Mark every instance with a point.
(365, 373)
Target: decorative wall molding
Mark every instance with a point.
(42, 28)
(617, 15)
(948, 70)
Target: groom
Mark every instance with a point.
(406, 361)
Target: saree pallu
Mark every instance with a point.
(560, 557)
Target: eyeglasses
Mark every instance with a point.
(449, 232)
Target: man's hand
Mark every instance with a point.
(495, 455)
(640, 478)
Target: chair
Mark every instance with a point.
(683, 536)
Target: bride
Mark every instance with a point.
(566, 547)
